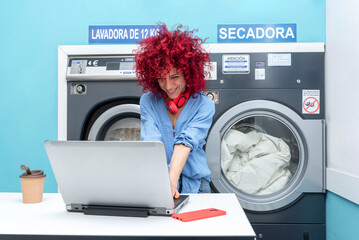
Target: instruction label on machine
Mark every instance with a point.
(280, 59)
(310, 101)
(235, 64)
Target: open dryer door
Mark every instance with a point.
(266, 154)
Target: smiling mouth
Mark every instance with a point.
(172, 91)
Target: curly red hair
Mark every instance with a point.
(171, 49)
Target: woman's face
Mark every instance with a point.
(173, 84)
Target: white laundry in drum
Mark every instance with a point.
(254, 162)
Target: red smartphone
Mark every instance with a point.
(197, 215)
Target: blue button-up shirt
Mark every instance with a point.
(191, 130)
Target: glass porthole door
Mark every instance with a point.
(119, 123)
(259, 150)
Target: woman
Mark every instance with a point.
(170, 66)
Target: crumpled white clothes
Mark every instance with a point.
(254, 162)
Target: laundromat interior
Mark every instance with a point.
(36, 35)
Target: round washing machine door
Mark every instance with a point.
(119, 123)
(258, 150)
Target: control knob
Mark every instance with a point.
(80, 89)
(210, 95)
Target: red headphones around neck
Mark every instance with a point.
(174, 104)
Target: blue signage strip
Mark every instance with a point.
(121, 34)
(256, 33)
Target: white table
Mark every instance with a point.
(50, 220)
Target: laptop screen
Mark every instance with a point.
(132, 174)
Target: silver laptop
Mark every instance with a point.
(113, 178)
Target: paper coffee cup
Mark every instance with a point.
(32, 186)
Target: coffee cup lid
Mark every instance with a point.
(31, 174)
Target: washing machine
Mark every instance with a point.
(100, 95)
(267, 141)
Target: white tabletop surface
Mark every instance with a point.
(51, 218)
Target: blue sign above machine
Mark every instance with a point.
(121, 34)
(256, 33)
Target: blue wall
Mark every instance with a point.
(342, 218)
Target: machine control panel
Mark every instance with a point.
(101, 68)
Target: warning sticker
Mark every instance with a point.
(311, 101)
(211, 70)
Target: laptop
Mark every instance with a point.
(113, 178)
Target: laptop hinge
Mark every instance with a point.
(116, 211)
(73, 207)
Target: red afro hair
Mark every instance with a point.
(171, 49)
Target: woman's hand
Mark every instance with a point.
(175, 192)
